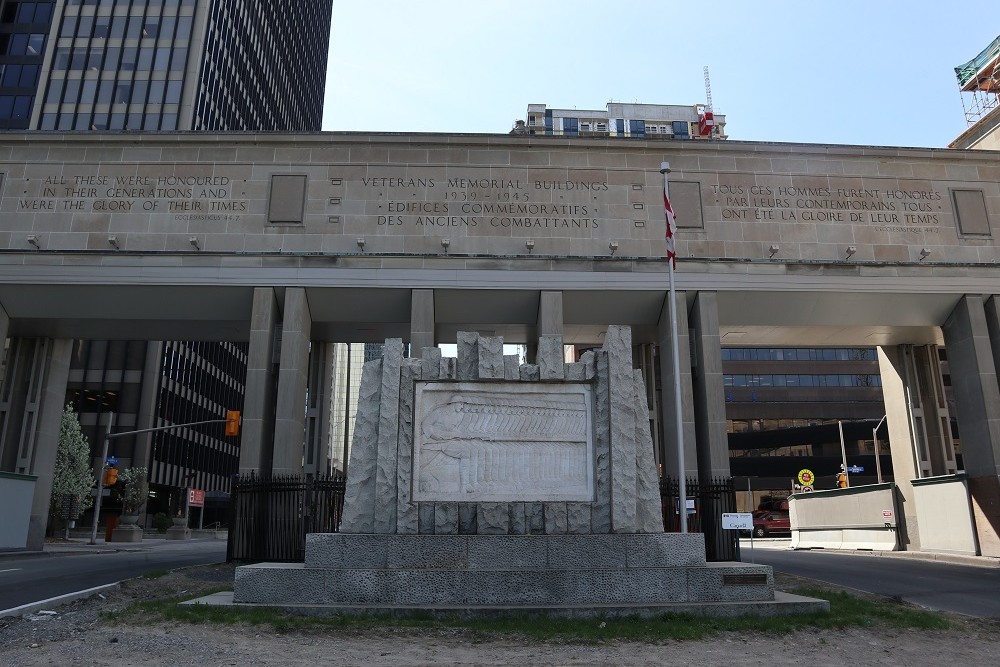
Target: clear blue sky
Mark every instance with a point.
(875, 72)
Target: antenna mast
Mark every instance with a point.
(708, 91)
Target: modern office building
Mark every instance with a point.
(163, 65)
(637, 121)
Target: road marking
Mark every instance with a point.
(13, 569)
(51, 602)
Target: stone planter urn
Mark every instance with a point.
(127, 529)
(180, 530)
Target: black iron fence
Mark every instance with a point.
(706, 502)
(269, 517)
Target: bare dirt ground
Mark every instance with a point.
(78, 634)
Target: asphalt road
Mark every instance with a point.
(27, 579)
(964, 589)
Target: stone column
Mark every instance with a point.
(50, 400)
(318, 411)
(709, 393)
(4, 326)
(668, 456)
(905, 463)
(550, 314)
(971, 334)
(421, 321)
(146, 415)
(549, 321)
(257, 441)
(290, 404)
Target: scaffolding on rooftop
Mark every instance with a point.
(979, 83)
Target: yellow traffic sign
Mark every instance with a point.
(806, 477)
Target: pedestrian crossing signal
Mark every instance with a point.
(111, 476)
(232, 422)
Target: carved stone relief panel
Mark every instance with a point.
(502, 442)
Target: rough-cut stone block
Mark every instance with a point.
(492, 518)
(430, 363)
(511, 367)
(601, 512)
(468, 355)
(448, 368)
(490, 353)
(555, 518)
(550, 358)
(495, 552)
(407, 519)
(279, 582)
(436, 552)
(446, 518)
(359, 496)
(535, 516)
(386, 497)
(589, 367)
(346, 550)
(578, 518)
(529, 372)
(649, 514)
(709, 583)
(426, 512)
(467, 519)
(575, 372)
(665, 549)
(590, 551)
(618, 345)
(518, 520)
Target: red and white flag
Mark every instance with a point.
(671, 228)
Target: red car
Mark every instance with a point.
(766, 523)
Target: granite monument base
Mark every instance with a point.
(562, 575)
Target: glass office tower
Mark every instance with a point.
(163, 65)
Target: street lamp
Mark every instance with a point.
(878, 462)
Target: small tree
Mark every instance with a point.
(73, 473)
(134, 490)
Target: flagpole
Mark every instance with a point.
(676, 359)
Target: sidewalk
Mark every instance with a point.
(81, 545)
(785, 544)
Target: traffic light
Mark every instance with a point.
(111, 476)
(232, 422)
(842, 480)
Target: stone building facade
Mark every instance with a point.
(292, 242)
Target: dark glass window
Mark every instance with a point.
(173, 92)
(11, 75)
(22, 106)
(123, 93)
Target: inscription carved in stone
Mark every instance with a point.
(502, 442)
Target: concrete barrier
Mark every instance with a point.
(860, 517)
(944, 515)
(16, 493)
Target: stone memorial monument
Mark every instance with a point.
(479, 484)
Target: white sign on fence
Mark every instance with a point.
(737, 521)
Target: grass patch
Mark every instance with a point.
(156, 574)
(845, 611)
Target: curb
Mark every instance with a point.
(58, 600)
